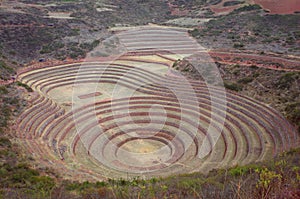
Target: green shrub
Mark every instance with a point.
(5, 114)
(248, 8)
(243, 170)
(254, 67)
(22, 175)
(3, 66)
(238, 45)
(236, 72)
(3, 172)
(293, 113)
(79, 186)
(194, 33)
(5, 142)
(3, 90)
(255, 75)
(25, 86)
(245, 80)
(43, 183)
(232, 3)
(233, 86)
(267, 180)
(286, 79)
(52, 47)
(7, 153)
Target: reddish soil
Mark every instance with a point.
(2, 82)
(220, 9)
(274, 6)
(263, 61)
(245, 59)
(175, 11)
(280, 6)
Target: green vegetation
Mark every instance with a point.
(69, 0)
(51, 47)
(293, 113)
(5, 142)
(75, 51)
(238, 45)
(287, 79)
(22, 177)
(71, 49)
(247, 8)
(5, 67)
(251, 29)
(232, 3)
(5, 114)
(263, 180)
(3, 90)
(89, 46)
(195, 32)
(25, 86)
(233, 86)
(8, 102)
(5, 70)
(15, 174)
(245, 80)
(243, 170)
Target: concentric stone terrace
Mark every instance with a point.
(133, 116)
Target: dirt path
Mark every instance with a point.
(3, 83)
(264, 61)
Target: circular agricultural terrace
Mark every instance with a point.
(134, 116)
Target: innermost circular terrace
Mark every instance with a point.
(143, 146)
(142, 152)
